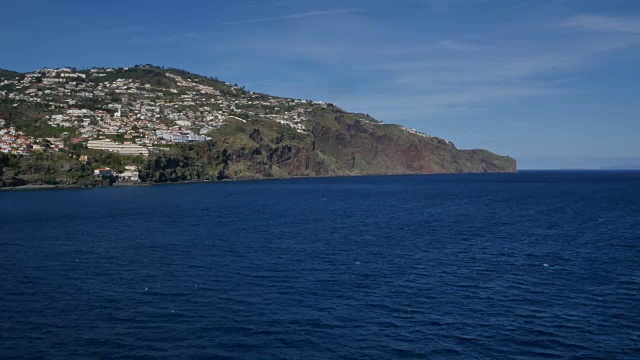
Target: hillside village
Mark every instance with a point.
(123, 111)
(128, 116)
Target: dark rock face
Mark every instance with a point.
(359, 149)
(336, 143)
(352, 148)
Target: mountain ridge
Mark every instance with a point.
(244, 134)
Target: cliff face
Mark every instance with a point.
(343, 146)
(361, 147)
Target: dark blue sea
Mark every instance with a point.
(491, 266)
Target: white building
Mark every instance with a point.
(124, 149)
(181, 136)
(129, 175)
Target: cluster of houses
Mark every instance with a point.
(129, 117)
(13, 141)
(145, 115)
(414, 131)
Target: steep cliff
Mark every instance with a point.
(344, 146)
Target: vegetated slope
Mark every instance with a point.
(7, 74)
(255, 149)
(248, 145)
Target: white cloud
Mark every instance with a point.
(455, 45)
(281, 3)
(292, 16)
(603, 23)
(169, 39)
(427, 104)
(259, 82)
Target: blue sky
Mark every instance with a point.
(553, 83)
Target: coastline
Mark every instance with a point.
(65, 186)
(127, 184)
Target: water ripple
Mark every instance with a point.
(530, 265)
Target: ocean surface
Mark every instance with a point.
(489, 266)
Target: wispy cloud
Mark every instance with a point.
(279, 3)
(603, 23)
(168, 39)
(260, 82)
(433, 80)
(455, 45)
(115, 31)
(497, 65)
(292, 16)
(425, 105)
(395, 77)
